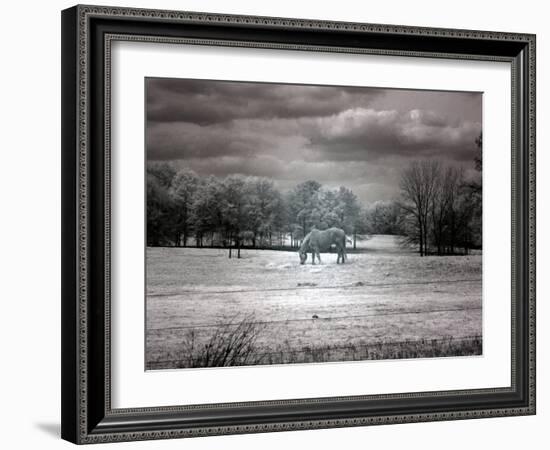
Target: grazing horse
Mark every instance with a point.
(320, 241)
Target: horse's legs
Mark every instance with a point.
(312, 257)
(344, 255)
(319, 257)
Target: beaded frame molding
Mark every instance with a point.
(87, 35)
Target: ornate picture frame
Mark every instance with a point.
(88, 33)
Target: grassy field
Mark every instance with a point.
(384, 303)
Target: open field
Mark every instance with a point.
(384, 303)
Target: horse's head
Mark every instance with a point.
(303, 257)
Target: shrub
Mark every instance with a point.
(232, 343)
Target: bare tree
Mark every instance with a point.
(418, 186)
(446, 209)
(478, 160)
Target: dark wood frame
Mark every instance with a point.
(87, 32)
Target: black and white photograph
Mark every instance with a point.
(311, 224)
(279, 218)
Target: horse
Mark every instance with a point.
(318, 241)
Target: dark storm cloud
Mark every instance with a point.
(358, 137)
(206, 102)
(244, 138)
(362, 135)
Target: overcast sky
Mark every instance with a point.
(360, 138)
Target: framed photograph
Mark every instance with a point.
(267, 222)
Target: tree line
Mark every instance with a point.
(235, 211)
(439, 211)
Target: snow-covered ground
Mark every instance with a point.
(382, 294)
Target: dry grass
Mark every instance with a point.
(233, 343)
(325, 313)
(423, 348)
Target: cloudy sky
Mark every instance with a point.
(360, 138)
